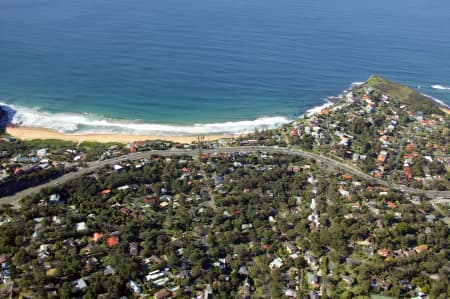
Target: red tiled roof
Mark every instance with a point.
(347, 176)
(391, 204)
(106, 191)
(112, 241)
(325, 111)
(97, 236)
(421, 248)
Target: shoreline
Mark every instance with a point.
(30, 133)
(27, 132)
(90, 123)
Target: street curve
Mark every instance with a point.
(436, 196)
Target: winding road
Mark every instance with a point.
(442, 197)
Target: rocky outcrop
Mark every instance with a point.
(6, 116)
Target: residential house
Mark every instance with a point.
(134, 248)
(290, 248)
(135, 287)
(81, 227)
(55, 199)
(276, 263)
(163, 294)
(109, 270)
(421, 248)
(113, 241)
(313, 280)
(123, 188)
(80, 284)
(97, 237)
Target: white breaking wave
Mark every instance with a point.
(440, 87)
(317, 109)
(78, 123)
(329, 103)
(87, 123)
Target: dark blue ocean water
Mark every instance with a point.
(132, 64)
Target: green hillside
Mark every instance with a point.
(404, 94)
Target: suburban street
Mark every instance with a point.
(442, 197)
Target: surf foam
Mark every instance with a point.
(440, 87)
(86, 123)
(328, 102)
(317, 109)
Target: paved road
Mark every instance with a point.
(436, 196)
(399, 148)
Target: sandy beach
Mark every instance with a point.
(446, 110)
(27, 133)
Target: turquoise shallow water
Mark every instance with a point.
(183, 66)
